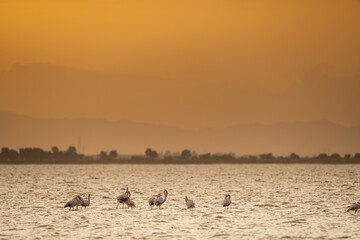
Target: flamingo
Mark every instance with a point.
(130, 204)
(355, 207)
(75, 202)
(123, 198)
(189, 203)
(227, 201)
(86, 203)
(152, 200)
(159, 200)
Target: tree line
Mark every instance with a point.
(37, 155)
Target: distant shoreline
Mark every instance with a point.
(160, 162)
(70, 156)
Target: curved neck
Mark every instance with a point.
(127, 193)
(165, 193)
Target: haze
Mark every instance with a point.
(189, 64)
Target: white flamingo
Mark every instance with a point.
(123, 198)
(227, 201)
(189, 203)
(152, 200)
(86, 203)
(159, 200)
(355, 207)
(75, 202)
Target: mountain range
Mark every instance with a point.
(129, 137)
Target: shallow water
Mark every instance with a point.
(268, 201)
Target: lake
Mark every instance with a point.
(269, 201)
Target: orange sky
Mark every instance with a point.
(216, 63)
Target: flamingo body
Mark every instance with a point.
(151, 201)
(123, 198)
(189, 203)
(75, 202)
(159, 201)
(86, 202)
(227, 201)
(130, 204)
(355, 207)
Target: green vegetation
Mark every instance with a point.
(70, 156)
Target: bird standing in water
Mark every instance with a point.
(123, 198)
(227, 201)
(355, 207)
(152, 200)
(75, 202)
(189, 203)
(159, 201)
(86, 202)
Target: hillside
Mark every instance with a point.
(130, 137)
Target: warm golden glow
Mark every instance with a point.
(185, 63)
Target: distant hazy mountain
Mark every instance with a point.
(131, 137)
(49, 90)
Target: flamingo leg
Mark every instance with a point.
(117, 205)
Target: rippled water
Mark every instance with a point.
(268, 201)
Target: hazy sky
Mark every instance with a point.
(217, 63)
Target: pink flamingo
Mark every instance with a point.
(227, 201)
(159, 200)
(86, 202)
(75, 202)
(130, 204)
(152, 200)
(123, 198)
(189, 203)
(355, 207)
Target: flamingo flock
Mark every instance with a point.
(158, 201)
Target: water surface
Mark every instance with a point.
(268, 201)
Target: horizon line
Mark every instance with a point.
(174, 126)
